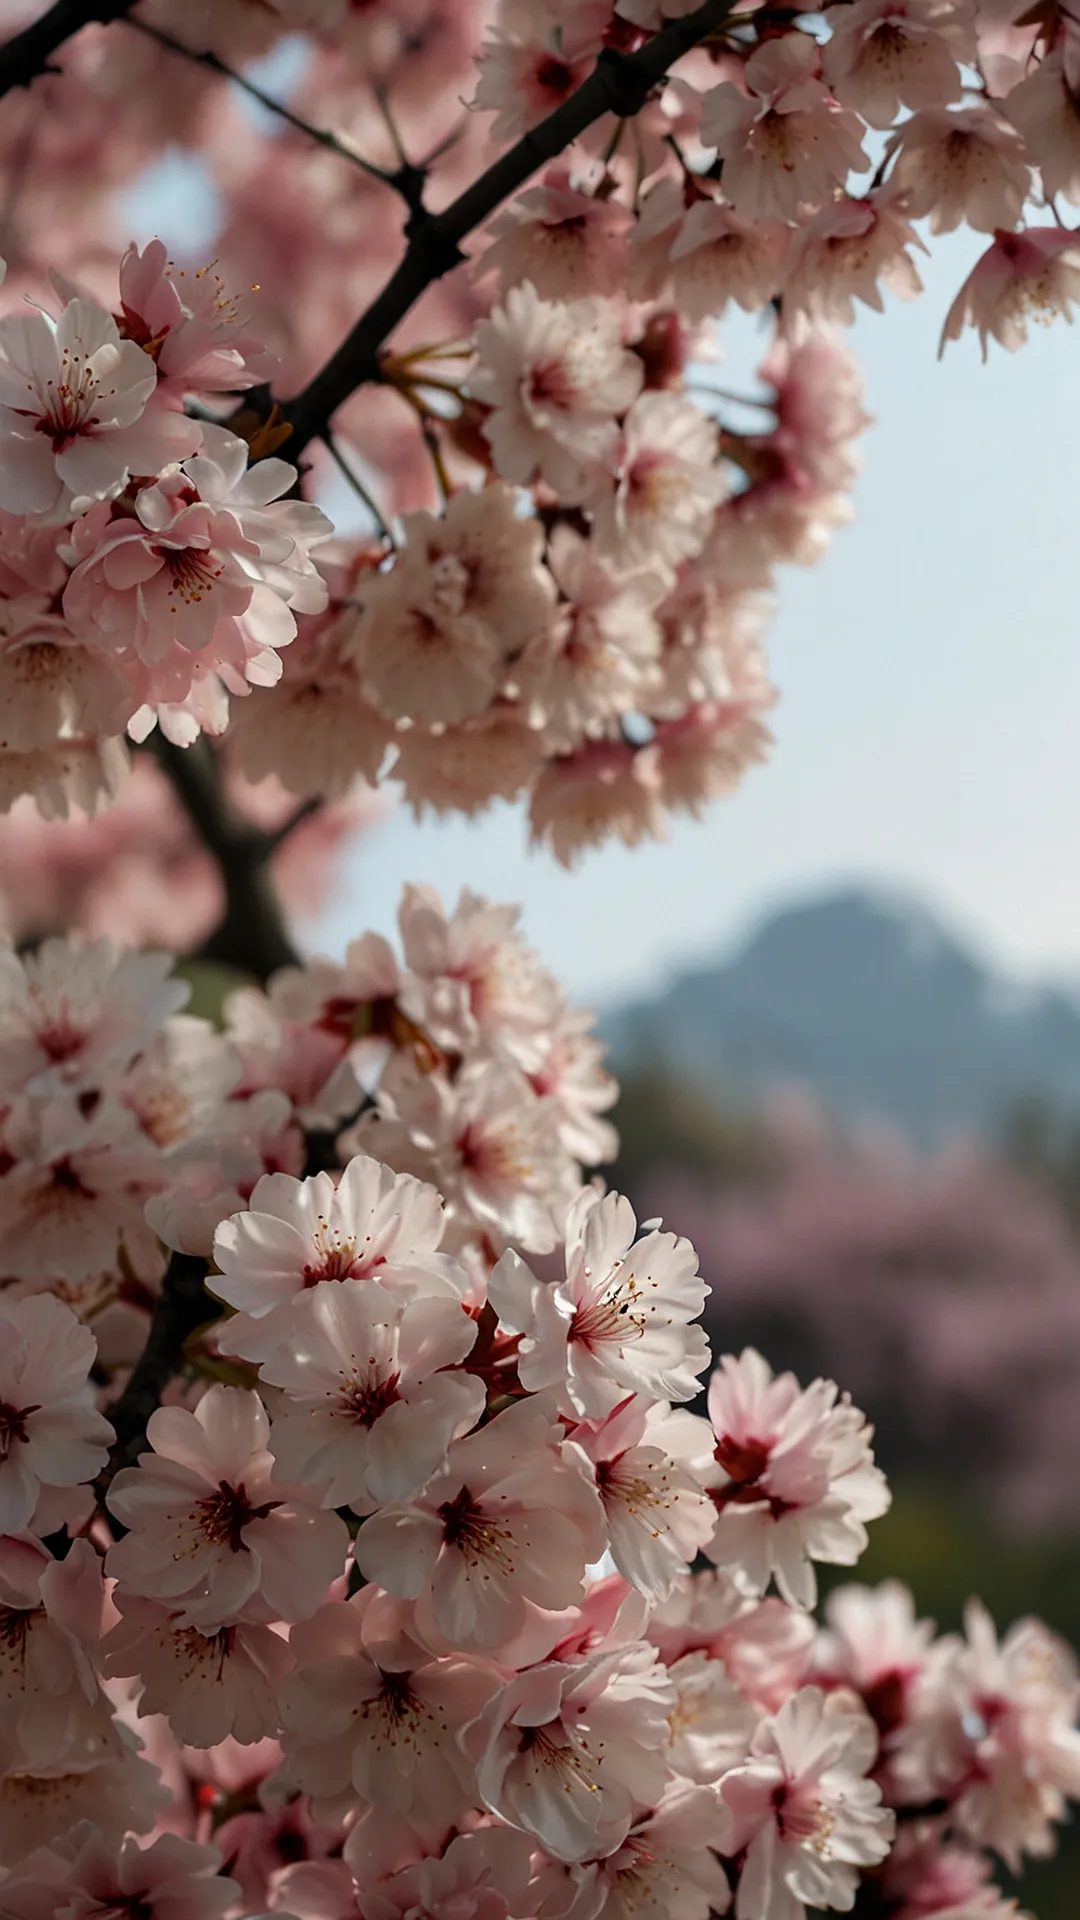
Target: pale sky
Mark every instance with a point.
(928, 733)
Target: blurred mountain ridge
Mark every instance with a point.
(866, 997)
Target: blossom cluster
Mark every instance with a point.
(446, 1578)
(562, 592)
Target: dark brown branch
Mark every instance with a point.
(252, 934)
(620, 83)
(182, 1306)
(30, 52)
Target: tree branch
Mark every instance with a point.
(620, 83)
(252, 934)
(28, 53)
(182, 1306)
(403, 180)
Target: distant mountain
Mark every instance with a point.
(867, 999)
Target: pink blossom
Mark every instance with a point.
(706, 751)
(803, 1809)
(494, 1145)
(601, 657)
(74, 418)
(196, 342)
(620, 1322)
(465, 594)
(49, 1682)
(574, 1077)
(210, 1529)
(1043, 110)
(712, 1722)
(76, 1190)
(53, 685)
(568, 1752)
(297, 1233)
(1015, 1746)
(794, 1479)
(465, 769)
(171, 1879)
(665, 1869)
(603, 789)
(886, 54)
(523, 72)
(50, 1433)
(370, 1715)
(718, 257)
(368, 1414)
(785, 142)
(214, 563)
(74, 1014)
(667, 484)
(314, 730)
(765, 1645)
(845, 253)
(658, 1516)
(967, 165)
(104, 1781)
(212, 1686)
(472, 980)
(555, 375)
(482, 1875)
(506, 1521)
(1030, 275)
(562, 239)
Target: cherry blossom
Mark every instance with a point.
(803, 1809)
(211, 1685)
(369, 1715)
(968, 164)
(566, 1752)
(555, 375)
(209, 1527)
(795, 1477)
(368, 1412)
(620, 1321)
(51, 1435)
(1031, 275)
(883, 54)
(785, 142)
(75, 1013)
(656, 1510)
(667, 483)
(169, 1877)
(88, 424)
(506, 1521)
(297, 1233)
(213, 548)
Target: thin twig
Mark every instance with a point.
(29, 53)
(620, 83)
(361, 491)
(321, 135)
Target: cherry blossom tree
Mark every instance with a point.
(361, 1552)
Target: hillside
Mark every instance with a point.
(869, 1000)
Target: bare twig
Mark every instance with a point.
(362, 492)
(322, 136)
(620, 83)
(30, 52)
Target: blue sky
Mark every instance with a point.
(929, 668)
